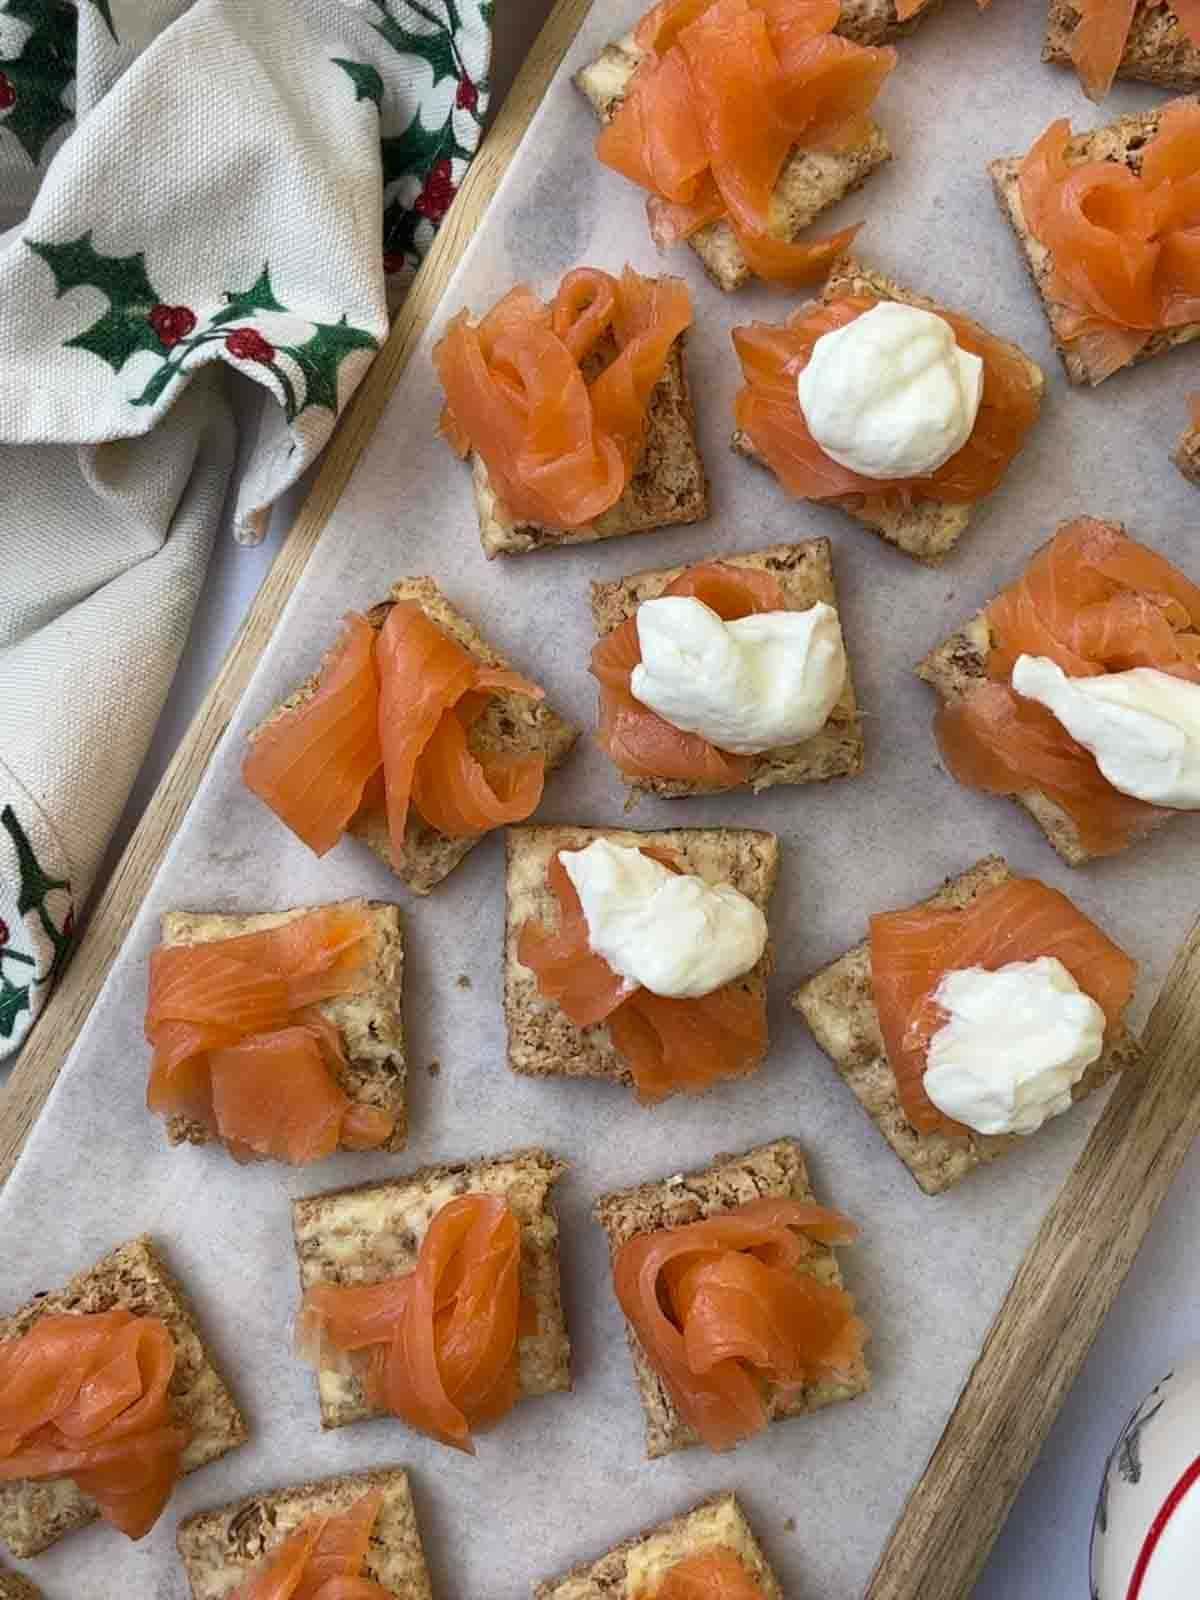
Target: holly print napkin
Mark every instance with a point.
(194, 195)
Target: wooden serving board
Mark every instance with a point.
(1088, 1238)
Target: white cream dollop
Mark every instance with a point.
(1016, 1042)
(891, 394)
(1142, 726)
(754, 684)
(671, 932)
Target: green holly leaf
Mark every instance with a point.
(415, 151)
(321, 356)
(436, 48)
(40, 75)
(400, 224)
(35, 883)
(158, 382)
(102, 7)
(368, 85)
(14, 998)
(487, 10)
(117, 336)
(124, 328)
(245, 302)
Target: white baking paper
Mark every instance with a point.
(566, 1477)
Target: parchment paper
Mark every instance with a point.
(565, 1477)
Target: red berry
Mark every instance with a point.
(172, 323)
(8, 95)
(433, 202)
(394, 261)
(467, 97)
(247, 344)
(3, 931)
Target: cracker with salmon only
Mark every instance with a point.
(372, 1232)
(770, 1171)
(542, 1039)
(638, 1565)
(805, 576)
(370, 1022)
(838, 1003)
(1157, 48)
(926, 529)
(134, 1277)
(221, 1548)
(511, 725)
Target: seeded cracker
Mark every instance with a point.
(775, 1170)
(839, 1006)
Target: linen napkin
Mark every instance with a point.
(196, 193)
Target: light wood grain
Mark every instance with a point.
(1059, 1297)
(50, 1042)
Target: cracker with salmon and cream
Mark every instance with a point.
(575, 412)
(983, 917)
(1113, 296)
(370, 1257)
(368, 1517)
(715, 1531)
(745, 1230)
(415, 735)
(681, 102)
(809, 688)
(918, 443)
(180, 1413)
(1096, 621)
(701, 946)
(341, 1054)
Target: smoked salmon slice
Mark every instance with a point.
(561, 443)
(395, 705)
(1124, 260)
(1102, 32)
(721, 1307)
(717, 1574)
(438, 1345)
(85, 1397)
(1093, 601)
(241, 1048)
(322, 1560)
(691, 128)
(670, 1046)
(768, 410)
(1018, 920)
(640, 742)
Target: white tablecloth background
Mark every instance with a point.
(1043, 1549)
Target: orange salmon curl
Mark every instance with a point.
(324, 1559)
(85, 1397)
(720, 1310)
(436, 1346)
(716, 1574)
(554, 398)
(692, 129)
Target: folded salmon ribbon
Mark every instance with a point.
(85, 1397)
(716, 1574)
(1092, 601)
(670, 1046)
(554, 398)
(1018, 920)
(437, 1346)
(322, 1560)
(387, 726)
(768, 410)
(1124, 246)
(725, 91)
(241, 1048)
(1102, 32)
(720, 1310)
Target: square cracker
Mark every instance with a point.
(1122, 143)
(1157, 50)
(811, 180)
(374, 1231)
(805, 574)
(639, 1565)
(371, 1024)
(838, 1004)
(512, 724)
(542, 1040)
(220, 1548)
(668, 486)
(775, 1171)
(927, 530)
(34, 1515)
